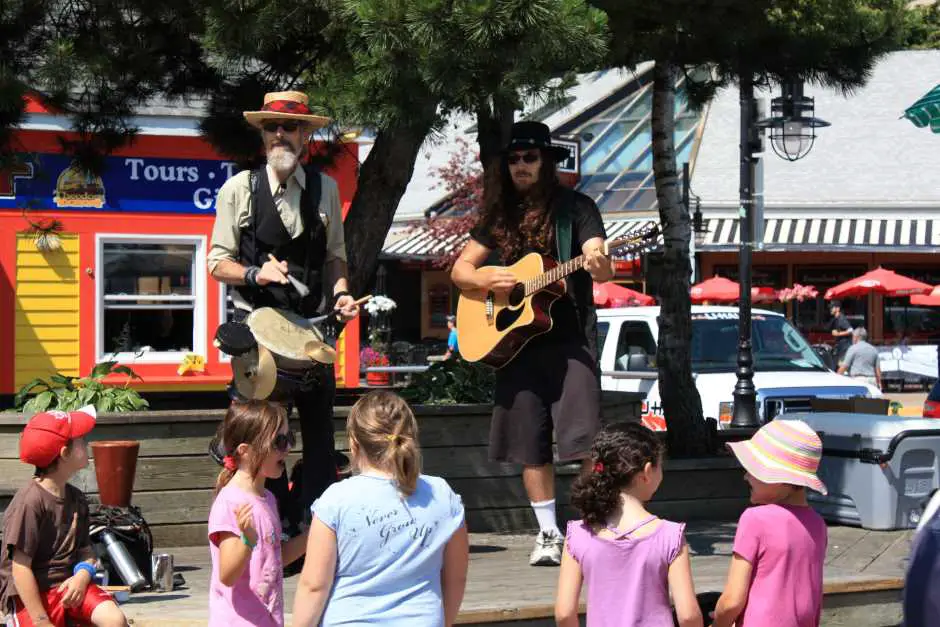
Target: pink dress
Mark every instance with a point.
(257, 598)
(626, 577)
(786, 546)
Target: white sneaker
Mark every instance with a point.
(547, 551)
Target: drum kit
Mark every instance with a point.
(276, 353)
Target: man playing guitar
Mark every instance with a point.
(553, 381)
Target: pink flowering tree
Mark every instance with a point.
(798, 293)
(462, 178)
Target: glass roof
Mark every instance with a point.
(616, 151)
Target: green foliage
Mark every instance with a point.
(922, 27)
(70, 393)
(451, 382)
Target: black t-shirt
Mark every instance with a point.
(841, 323)
(573, 316)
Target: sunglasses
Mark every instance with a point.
(288, 126)
(283, 442)
(529, 157)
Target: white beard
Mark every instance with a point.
(282, 160)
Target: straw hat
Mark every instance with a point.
(782, 451)
(286, 105)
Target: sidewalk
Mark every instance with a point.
(503, 587)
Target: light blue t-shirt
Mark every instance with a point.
(452, 340)
(390, 550)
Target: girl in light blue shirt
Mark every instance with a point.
(388, 546)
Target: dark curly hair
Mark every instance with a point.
(520, 225)
(619, 453)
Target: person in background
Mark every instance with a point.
(841, 330)
(388, 546)
(48, 562)
(453, 350)
(776, 573)
(861, 361)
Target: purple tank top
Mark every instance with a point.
(626, 576)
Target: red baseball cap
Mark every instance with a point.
(47, 432)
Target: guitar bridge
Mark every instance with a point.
(490, 308)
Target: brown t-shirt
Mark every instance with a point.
(53, 530)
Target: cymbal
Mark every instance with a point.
(320, 352)
(255, 373)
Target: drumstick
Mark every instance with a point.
(356, 303)
(302, 289)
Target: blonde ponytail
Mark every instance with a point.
(385, 429)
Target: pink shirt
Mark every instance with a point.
(257, 598)
(626, 577)
(786, 546)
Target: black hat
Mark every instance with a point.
(835, 303)
(526, 135)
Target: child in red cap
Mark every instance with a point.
(47, 565)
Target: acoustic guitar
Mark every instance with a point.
(493, 328)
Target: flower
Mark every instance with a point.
(379, 303)
(371, 357)
(798, 293)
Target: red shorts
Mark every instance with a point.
(58, 615)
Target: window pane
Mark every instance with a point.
(156, 329)
(636, 349)
(148, 269)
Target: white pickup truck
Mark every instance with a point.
(787, 371)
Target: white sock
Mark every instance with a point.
(545, 514)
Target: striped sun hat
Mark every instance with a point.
(782, 451)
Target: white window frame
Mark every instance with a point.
(198, 297)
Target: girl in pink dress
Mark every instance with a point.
(629, 558)
(246, 586)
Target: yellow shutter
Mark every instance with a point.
(47, 320)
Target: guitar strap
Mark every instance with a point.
(563, 232)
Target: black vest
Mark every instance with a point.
(266, 234)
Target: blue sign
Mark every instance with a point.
(128, 184)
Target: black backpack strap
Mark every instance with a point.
(252, 204)
(311, 210)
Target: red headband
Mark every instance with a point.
(286, 106)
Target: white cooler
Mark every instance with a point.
(878, 469)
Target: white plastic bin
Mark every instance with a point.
(878, 469)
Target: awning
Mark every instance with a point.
(822, 234)
(417, 243)
(926, 111)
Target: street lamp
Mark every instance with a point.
(792, 134)
(792, 124)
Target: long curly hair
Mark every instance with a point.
(620, 452)
(520, 223)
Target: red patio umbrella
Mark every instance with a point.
(613, 295)
(929, 300)
(718, 289)
(879, 281)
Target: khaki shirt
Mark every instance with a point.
(232, 214)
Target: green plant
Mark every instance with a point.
(896, 408)
(67, 393)
(451, 382)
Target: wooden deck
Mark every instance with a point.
(864, 571)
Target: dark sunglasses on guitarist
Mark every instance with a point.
(289, 126)
(529, 157)
(283, 442)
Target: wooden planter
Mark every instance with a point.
(175, 477)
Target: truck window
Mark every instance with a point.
(602, 329)
(635, 340)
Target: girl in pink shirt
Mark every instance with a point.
(629, 559)
(776, 574)
(246, 587)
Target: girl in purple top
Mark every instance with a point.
(776, 573)
(629, 558)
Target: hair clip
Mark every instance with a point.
(228, 462)
(392, 438)
(598, 467)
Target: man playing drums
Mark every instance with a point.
(287, 219)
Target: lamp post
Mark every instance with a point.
(792, 134)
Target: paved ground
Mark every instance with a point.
(502, 585)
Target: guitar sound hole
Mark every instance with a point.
(506, 317)
(517, 295)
